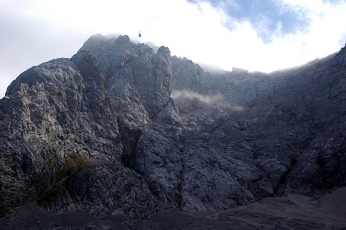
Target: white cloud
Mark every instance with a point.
(217, 99)
(324, 34)
(34, 31)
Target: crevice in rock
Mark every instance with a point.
(181, 179)
(278, 189)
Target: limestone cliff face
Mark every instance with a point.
(58, 127)
(135, 69)
(120, 127)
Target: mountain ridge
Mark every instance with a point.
(119, 128)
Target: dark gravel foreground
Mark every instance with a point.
(289, 212)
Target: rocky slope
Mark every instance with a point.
(122, 128)
(275, 213)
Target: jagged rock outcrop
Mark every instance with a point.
(135, 66)
(57, 126)
(187, 75)
(119, 128)
(282, 117)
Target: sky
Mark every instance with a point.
(257, 35)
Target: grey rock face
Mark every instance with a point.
(61, 116)
(138, 66)
(320, 169)
(279, 117)
(220, 170)
(187, 75)
(102, 190)
(119, 127)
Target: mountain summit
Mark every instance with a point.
(121, 128)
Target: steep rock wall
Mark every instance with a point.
(119, 127)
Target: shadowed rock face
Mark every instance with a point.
(119, 127)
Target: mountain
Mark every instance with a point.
(124, 128)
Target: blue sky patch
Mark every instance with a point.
(266, 16)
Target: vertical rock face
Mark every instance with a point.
(141, 81)
(187, 75)
(119, 127)
(57, 126)
(322, 166)
(137, 69)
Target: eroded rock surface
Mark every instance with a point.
(120, 128)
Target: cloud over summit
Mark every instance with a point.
(261, 35)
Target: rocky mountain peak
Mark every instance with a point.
(164, 50)
(122, 40)
(86, 63)
(120, 128)
(340, 60)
